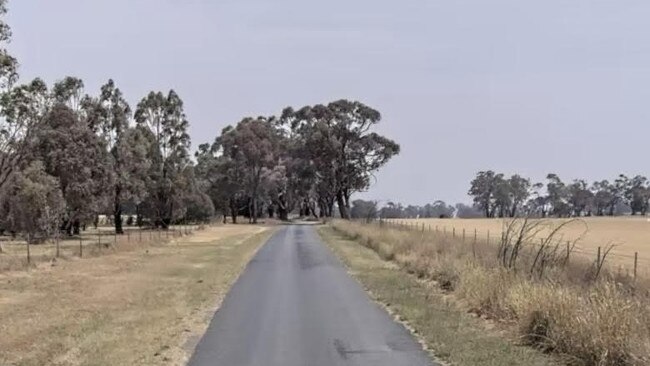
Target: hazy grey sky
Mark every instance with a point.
(463, 85)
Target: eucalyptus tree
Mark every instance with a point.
(34, 203)
(8, 63)
(580, 198)
(253, 146)
(636, 193)
(342, 148)
(164, 117)
(108, 116)
(76, 156)
(483, 188)
(70, 92)
(23, 109)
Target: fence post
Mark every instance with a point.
(463, 235)
(99, 239)
(636, 262)
(488, 237)
(422, 227)
(453, 232)
(598, 257)
(475, 235)
(81, 246)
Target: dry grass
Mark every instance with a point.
(91, 243)
(630, 234)
(590, 322)
(132, 307)
(451, 334)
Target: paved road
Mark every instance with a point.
(295, 305)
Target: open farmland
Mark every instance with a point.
(630, 235)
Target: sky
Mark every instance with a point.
(527, 87)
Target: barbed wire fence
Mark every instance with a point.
(632, 264)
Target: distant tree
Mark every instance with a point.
(602, 193)
(537, 203)
(636, 193)
(580, 198)
(253, 145)
(344, 151)
(558, 196)
(392, 210)
(468, 212)
(437, 209)
(488, 192)
(518, 191)
(364, 210)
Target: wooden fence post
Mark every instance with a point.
(636, 263)
(598, 257)
(81, 246)
(488, 237)
(463, 235)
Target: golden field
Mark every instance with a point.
(628, 234)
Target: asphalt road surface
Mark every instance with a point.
(295, 305)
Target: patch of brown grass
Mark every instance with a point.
(565, 311)
(129, 307)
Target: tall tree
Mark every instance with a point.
(108, 115)
(252, 144)
(344, 151)
(518, 191)
(165, 118)
(70, 92)
(76, 156)
(8, 63)
(483, 188)
(580, 197)
(23, 109)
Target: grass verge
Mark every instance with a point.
(453, 335)
(142, 307)
(556, 305)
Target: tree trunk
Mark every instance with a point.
(254, 208)
(343, 210)
(117, 210)
(233, 211)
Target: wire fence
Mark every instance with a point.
(632, 264)
(16, 254)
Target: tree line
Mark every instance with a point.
(68, 156)
(497, 195)
(310, 160)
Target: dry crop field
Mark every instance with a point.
(630, 235)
